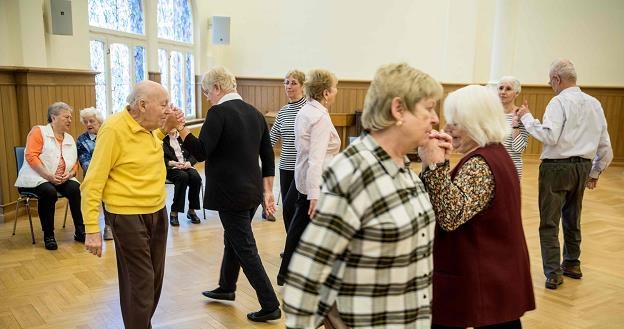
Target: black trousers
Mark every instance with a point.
(515, 324)
(241, 251)
(140, 246)
(289, 195)
(298, 225)
(46, 193)
(561, 190)
(183, 178)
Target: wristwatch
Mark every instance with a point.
(434, 166)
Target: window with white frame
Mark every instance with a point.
(117, 50)
(175, 52)
(119, 53)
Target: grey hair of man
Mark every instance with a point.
(221, 77)
(91, 112)
(564, 68)
(56, 108)
(515, 83)
(141, 91)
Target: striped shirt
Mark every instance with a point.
(368, 249)
(515, 146)
(284, 128)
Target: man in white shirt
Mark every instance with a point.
(576, 150)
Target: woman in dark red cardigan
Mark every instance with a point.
(480, 259)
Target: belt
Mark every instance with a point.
(566, 160)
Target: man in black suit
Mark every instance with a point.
(180, 172)
(231, 139)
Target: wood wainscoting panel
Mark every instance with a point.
(26, 94)
(268, 96)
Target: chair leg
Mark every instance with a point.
(66, 206)
(16, 211)
(32, 232)
(202, 201)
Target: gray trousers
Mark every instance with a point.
(561, 189)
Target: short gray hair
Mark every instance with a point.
(89, 112)
(478, 111)
(515, 83)
(56, 108)
(221, 77)
(564, 68)
(396, 80)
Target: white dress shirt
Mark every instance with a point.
(574, 124)
(316, 141)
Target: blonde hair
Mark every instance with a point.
(319, 81)
(396, 80)
(478, 111)
(221, 77)
(298, 75)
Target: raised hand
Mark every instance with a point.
(522, 110)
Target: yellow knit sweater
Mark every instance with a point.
(127, 171)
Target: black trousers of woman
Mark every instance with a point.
(46, 193)
(298, 225)
(183, 178)
(289, 195)
(241, 251)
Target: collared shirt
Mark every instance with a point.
(85, 145)
(316, 141)
(229, 97)
(126, 171)
(368, 249)
(574, 124)
(177, 149)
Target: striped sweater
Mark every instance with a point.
(284, 129)
(516, 146)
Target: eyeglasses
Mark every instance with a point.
(292, 83)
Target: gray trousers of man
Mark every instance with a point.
(561, 189)
(140, 245)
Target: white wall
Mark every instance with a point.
(451, 40)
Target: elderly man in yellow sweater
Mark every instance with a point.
(128, 175)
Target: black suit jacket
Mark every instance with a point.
(232, 138)
(170, 153)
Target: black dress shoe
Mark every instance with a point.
(263, 316)
(80, 237)
(553, 281)
(50, 242)
(193, 217)
(572, 271)
(173, 220)
(219, 294)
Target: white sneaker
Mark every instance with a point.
(108, 233)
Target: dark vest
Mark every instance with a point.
(481, 270)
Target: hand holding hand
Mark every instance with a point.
(171, 121)
(93, 243)
(522, 110)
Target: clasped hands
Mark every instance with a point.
(437, 149)
(175, 118)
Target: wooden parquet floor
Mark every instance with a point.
(69, 288)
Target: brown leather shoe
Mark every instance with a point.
(553, 281)
(572, 271)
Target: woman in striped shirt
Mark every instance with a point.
(508, 89)
(284, 129)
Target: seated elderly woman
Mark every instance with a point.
(481, 264)
(49, 167)
(92, 119)
(180, 171)
(365, 258)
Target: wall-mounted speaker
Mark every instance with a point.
(220, 30)
(61, 17)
